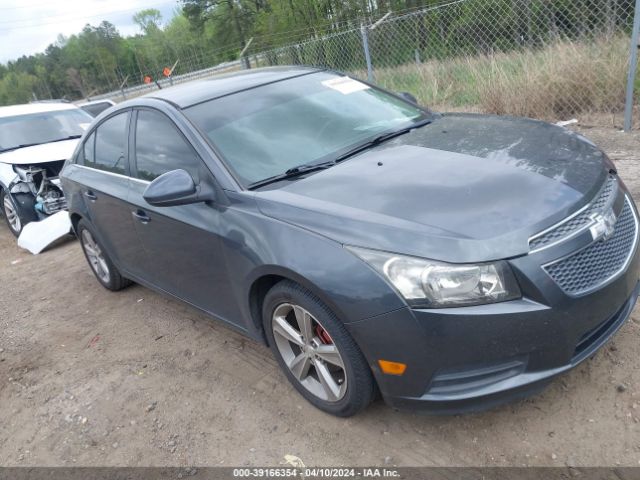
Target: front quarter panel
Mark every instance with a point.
(7, 175)
(256, 245)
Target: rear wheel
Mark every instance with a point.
(100, 263)
(316, 352)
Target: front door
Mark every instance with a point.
(182, 243)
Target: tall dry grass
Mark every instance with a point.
(561, 80)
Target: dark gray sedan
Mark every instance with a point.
(450, 262)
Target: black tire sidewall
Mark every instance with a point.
(360, 383)
(4, 194)
(111, 285)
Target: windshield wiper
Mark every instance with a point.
(25, 145)
(292, 173)
(381, 139)
(70, 137)
(311, 167)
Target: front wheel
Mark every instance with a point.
(316, 352)
(18, 211)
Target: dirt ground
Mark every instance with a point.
(90, 377)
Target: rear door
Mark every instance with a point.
(183, 243)
(105, 181)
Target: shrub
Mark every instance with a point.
(561, 80)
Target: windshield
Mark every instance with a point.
(264, 132)
(43, 127)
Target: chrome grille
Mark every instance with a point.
(601, 261)
(579, 221)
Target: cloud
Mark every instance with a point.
(29, 26)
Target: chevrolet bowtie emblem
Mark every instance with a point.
(604, 225)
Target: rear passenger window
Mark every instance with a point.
(110, 145)
(160, 148)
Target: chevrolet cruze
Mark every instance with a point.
(449, 262)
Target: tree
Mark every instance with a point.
(149, 20)
(17, 87)
(222, 13)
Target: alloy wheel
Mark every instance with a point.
(11, 214)
(309, 352)
(95, 256)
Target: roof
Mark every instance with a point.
(26, 109)
(191, 93)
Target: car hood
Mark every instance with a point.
(466, 188)
(47, 152)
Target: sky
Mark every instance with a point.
(29, 26)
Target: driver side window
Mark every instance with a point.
(160, 148)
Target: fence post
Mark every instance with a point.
(124, 82)
(367, 55)
(245, 61)
(633, 66)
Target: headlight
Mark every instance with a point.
(426, 283)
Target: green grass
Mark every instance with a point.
(563, 79)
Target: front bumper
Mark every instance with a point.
(472, 358)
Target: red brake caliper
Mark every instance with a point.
(323, 335)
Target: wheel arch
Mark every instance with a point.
(75, 219)
(265, 278)
(7, 176)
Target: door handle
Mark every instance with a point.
(90, 195)
(141, 216)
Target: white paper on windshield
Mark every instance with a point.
(345, 85)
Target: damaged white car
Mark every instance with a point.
(35, 141)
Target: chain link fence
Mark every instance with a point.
(547, 59)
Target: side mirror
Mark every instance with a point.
(174, 188)
(407, 96)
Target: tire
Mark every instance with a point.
(316, 361)
(17, 210)
(101, 265)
